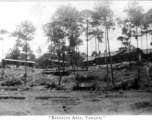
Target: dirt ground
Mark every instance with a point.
(37, 102)
(41, 101)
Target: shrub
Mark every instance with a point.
(84, 78)
(91, 77)
(136, 84)
(81, 78)
(51, 86)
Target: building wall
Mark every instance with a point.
(16, 63)
(117, 59)
(49, 64)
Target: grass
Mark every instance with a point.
(77, 102)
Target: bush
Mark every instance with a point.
(81, 78)
(13, 82)
(51, 86)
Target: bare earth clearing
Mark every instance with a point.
(38, 100)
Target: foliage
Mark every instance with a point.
(136, 17)
(148, 17)
(125, 41)
(135, 13)
(64, 25)
(2, 31)
(39, 50)
(94, 53)
(32, 57)
(24, 31)
(103, 14)
(26, 48)
(13, 54)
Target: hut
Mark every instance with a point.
(17, 63)
(48, 63)
(135, 54)
(103, 57)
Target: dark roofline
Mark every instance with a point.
(19, 60)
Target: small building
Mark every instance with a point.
(48, 63)
(17, 63)
(116, 57)
(104, 57)
(132, 55)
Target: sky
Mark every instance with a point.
(39, 13)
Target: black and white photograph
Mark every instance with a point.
(73, 57)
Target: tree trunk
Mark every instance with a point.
(63, 57)
(129, 52)
(106, 57)
(59, 69)
(146, 43)
(95, 44)
(99, 52)
(77, 63)
(26, 64)
(96, 47)
(151, 40)
(110, 59)
(130, 49)
(87, 45)
(141, 39)
(137, 37)
(51, 55)
(2, 63)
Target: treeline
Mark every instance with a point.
(69, 25)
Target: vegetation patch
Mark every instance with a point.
(12, 97)
(69, 101)
(49, 97)
(115, 96)
(9, 89)
(60, 99)
(77, 88)
(12, 82)
(140, 105)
